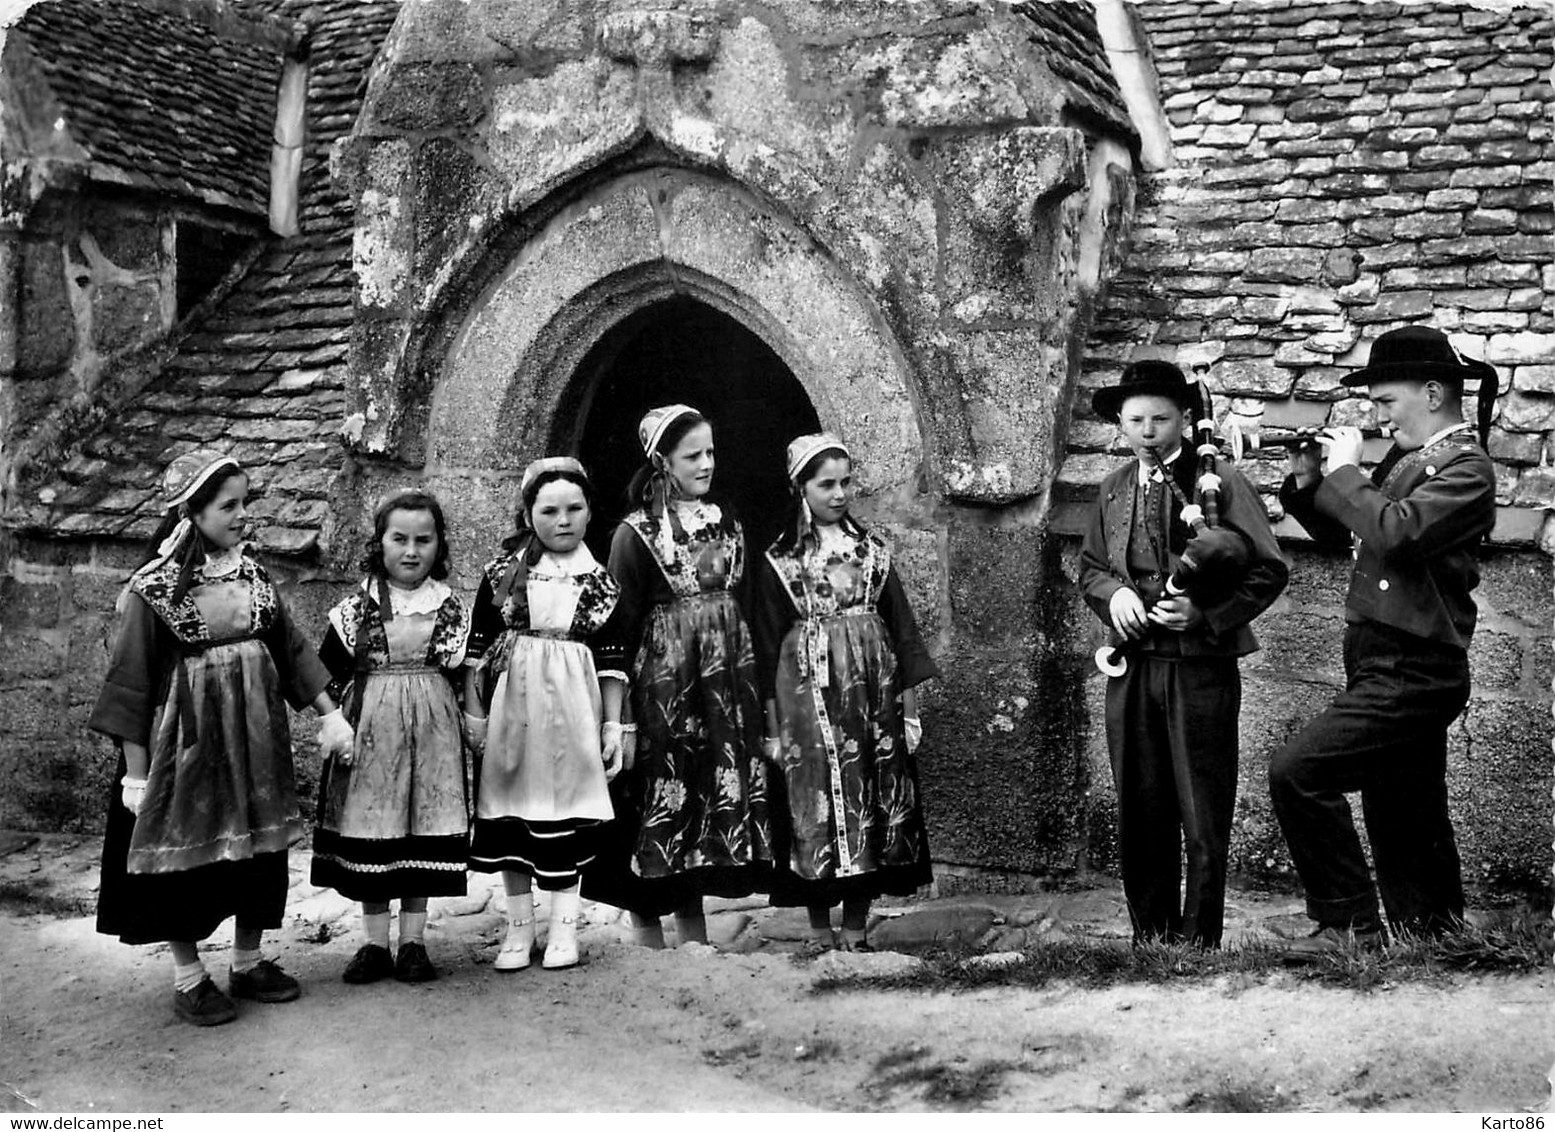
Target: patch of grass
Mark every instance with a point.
(34, 899)
(1518, 945)
(959, 1087)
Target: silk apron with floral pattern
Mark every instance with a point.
(704, 784)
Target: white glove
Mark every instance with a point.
(772, 749)
(475, 733)
(132, 792)
(336, 737)
(1128, 613)
(610, 743)
(912, 731)
(1342, 445)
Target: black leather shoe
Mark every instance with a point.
(205, 1005)
(1334, 940)
(369, 964)
(412, 964)
(264, 982)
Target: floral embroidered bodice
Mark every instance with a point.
(429, 625)
(230, 597)
(843, 571)
(708, 551)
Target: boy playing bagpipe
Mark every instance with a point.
(1181, 600)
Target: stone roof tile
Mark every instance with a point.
(164, 97)
(263, 377)
(1409, 168)
(1066, 33)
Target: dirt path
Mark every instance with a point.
(87, 1025)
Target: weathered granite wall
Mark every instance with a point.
(1339, 170)
(90, 281)
(912, 208)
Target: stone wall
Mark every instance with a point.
(914, 209)
(1499, 776)
(1339, 170)
(93, 281)
(923, 219)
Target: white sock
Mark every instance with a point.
(376, 927)
(245, 960)
(413, 926)
(187, 976)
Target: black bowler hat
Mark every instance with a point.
(1421, 353)
(1149, 377)
(1417, 353)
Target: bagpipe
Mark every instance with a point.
(1216, 558)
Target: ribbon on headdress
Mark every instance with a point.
(183, 477)
(801, 450)
(651, 429)
(1485, 398)
(659, 492)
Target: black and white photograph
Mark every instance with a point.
(776, 556)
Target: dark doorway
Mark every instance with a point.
(684, 350)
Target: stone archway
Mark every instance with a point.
(681, 349)
(514, 378)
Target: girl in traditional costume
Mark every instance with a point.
(393, 819)
(552, 672)
(694, 815)
(205, 806)
(840, 655)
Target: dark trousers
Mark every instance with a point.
(1385, 736)
(1172, 732)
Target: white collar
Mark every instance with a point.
(579, 560)
(222, 562)
(1147, 473)
(428, 597)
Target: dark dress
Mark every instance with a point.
(691, 816)
(203, 684)
(395, 821)
(836, 644)
(542, 800)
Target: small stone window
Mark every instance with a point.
(204, 255)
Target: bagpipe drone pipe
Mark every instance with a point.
(1216, 558)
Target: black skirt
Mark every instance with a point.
(182, 906)
(553, 852)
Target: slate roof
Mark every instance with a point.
(264, 375)
(174, 98)
(1341, 169)
(1069, 39)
